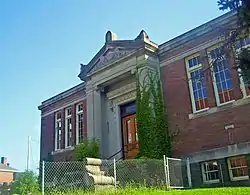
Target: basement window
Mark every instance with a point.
(210, 172)
(238, 168)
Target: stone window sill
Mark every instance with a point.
(63, 150)
(221, 107)
(212, 181)
(240, 178)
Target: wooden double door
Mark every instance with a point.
(130, 137)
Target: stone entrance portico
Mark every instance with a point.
(111, 82)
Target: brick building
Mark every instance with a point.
(63, 123)
(209, 110)
(7, 173)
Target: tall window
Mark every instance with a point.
(238, 168)
(79, 123)
(198, 91)
(68, 127)
(210, 172)
(58, 130)
(240, 44)
(221, 76)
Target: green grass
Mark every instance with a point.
(151, 191)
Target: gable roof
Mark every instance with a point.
(5, 168)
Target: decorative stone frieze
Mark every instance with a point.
(122, 91)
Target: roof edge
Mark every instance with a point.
(62, 95)
(12, 170)
(189, 35)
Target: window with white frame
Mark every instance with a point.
(58, 130)
(198, 91)
(210, 172)
(68, 127)
(240, 44)
(79, 123)
(222, 81)
(238, 168)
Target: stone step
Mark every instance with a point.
(101, 182)
(102, 173)
(102, 179)
(94, 161)
(93, 169)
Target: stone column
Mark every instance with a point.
(97, 108)
(90, 111)
(94, 113)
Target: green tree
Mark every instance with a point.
(242, 8)
(87, 148)
(26, 184)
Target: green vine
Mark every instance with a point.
(152, 123)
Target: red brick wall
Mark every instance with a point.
(6, 177)
(205, 132)
(47, 135)
(69, 155)
(48, 132)
(64, 156)
(65, 101)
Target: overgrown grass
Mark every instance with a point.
(153, 191)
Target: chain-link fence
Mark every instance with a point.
(140, 172)
(63, 176)
(96, 174)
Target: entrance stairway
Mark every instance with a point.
(101, 182)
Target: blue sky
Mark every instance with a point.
(43, 42)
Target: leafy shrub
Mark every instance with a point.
(87, 148)
(26, 184)
(4, 188)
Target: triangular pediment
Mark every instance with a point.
(111, 54)
(114, 50)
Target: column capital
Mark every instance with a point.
(98, 88)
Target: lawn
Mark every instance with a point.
(209, 191)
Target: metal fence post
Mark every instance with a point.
(189, 173)
(168, 174)
(43, 177)
(165, 168)
(115, 172)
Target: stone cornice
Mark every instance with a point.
(220, 21)
(125, 98)
(63, 106)
(165, 60)
(62, 95)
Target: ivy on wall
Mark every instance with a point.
(152, 123)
